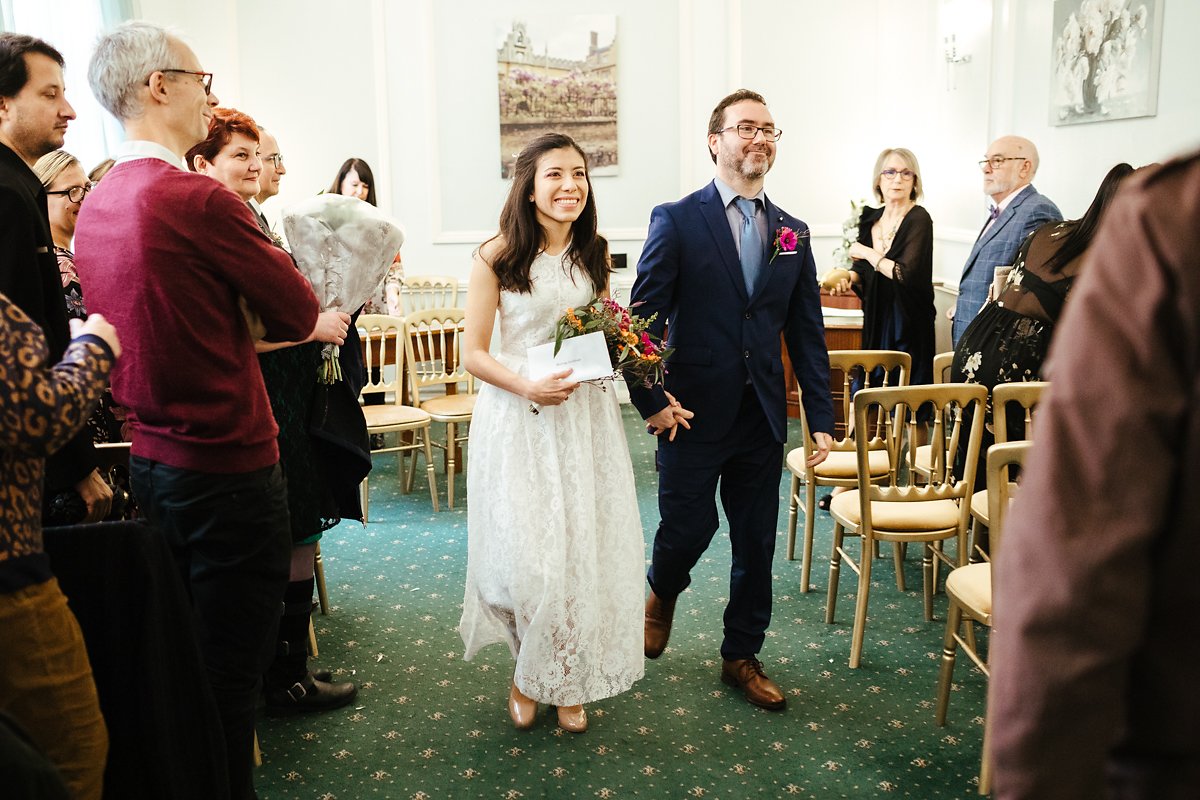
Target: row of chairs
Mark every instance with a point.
(406, 359)
(903, 491)
(423, 292)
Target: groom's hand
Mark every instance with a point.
(669, 419)
(823, 441)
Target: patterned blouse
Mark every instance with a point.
(41, 408)
(107, 423)
(378, 303)
(70, 281)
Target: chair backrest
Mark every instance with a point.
(1001, 487)
(423, 292)
(433, 342)
(382, 338)
(1026, 396)
(880, 368)
(902, 403)
(942, 364)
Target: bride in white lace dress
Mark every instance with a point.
(555, 551)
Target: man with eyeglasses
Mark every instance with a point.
(268, 178)
(34, 114)
(163, 252)
(727, 271)
(45, 679)
(1015, 210)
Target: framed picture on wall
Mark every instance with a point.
(1105, 60)
(558, 74)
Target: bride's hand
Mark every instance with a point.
(551, 390)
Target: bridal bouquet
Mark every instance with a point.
(632, 349)
(344, 246)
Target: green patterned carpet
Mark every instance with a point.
(429, 725)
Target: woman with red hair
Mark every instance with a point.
(230, 155)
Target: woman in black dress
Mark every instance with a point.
(893, 265)
(1007, 342)
(892, 273)
(230, 155)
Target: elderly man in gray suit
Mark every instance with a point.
(1016, 210)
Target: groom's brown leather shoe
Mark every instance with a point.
(659, 614)
(747, 674)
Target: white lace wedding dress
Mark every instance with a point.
(555, 561)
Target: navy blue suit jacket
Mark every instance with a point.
(997, 248)
(689, 274)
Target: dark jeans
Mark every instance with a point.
(747, 462)
(231, 541)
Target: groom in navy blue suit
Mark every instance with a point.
(727, 272)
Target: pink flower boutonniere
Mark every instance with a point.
(786, 241)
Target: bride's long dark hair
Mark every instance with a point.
(522, 235)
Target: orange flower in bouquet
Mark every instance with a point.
(630, 346)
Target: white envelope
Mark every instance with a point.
(587, 355)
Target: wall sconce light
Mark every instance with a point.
(953, 58)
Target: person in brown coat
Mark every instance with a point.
(1094, 660)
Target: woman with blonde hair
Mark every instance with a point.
(66, 187)
(893, 264)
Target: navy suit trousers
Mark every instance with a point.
(747, 463)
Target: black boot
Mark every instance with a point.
(290, 688)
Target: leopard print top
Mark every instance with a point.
(41, 408)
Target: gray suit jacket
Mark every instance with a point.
(996, 248)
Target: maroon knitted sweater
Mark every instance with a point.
(164, 255)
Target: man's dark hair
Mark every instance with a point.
(717, 120)
(13, 73)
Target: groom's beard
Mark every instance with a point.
(746, 164)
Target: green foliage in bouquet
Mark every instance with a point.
(841, 256)
(632, 349)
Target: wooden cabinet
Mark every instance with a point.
(841, 333)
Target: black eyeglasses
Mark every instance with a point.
(76, 193)
(902, 174)
(996, 162)
(275, 159)
(747, 131)
(205, 77)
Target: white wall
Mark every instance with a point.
(409, 85)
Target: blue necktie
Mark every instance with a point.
(752, 246)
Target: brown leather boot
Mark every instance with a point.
(747, 674)
(659, 614)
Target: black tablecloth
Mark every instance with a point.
(165, 736)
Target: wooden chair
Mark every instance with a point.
(1025, 396)
(969, 588)
(897, 513)
(384, 351)
(433, 342)
(423, 292)
(839, 468)
(925, 462)
(319, 578)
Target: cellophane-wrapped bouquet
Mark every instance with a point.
(630, 346)
(344, 246)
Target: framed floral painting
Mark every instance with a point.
(1105, 60)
